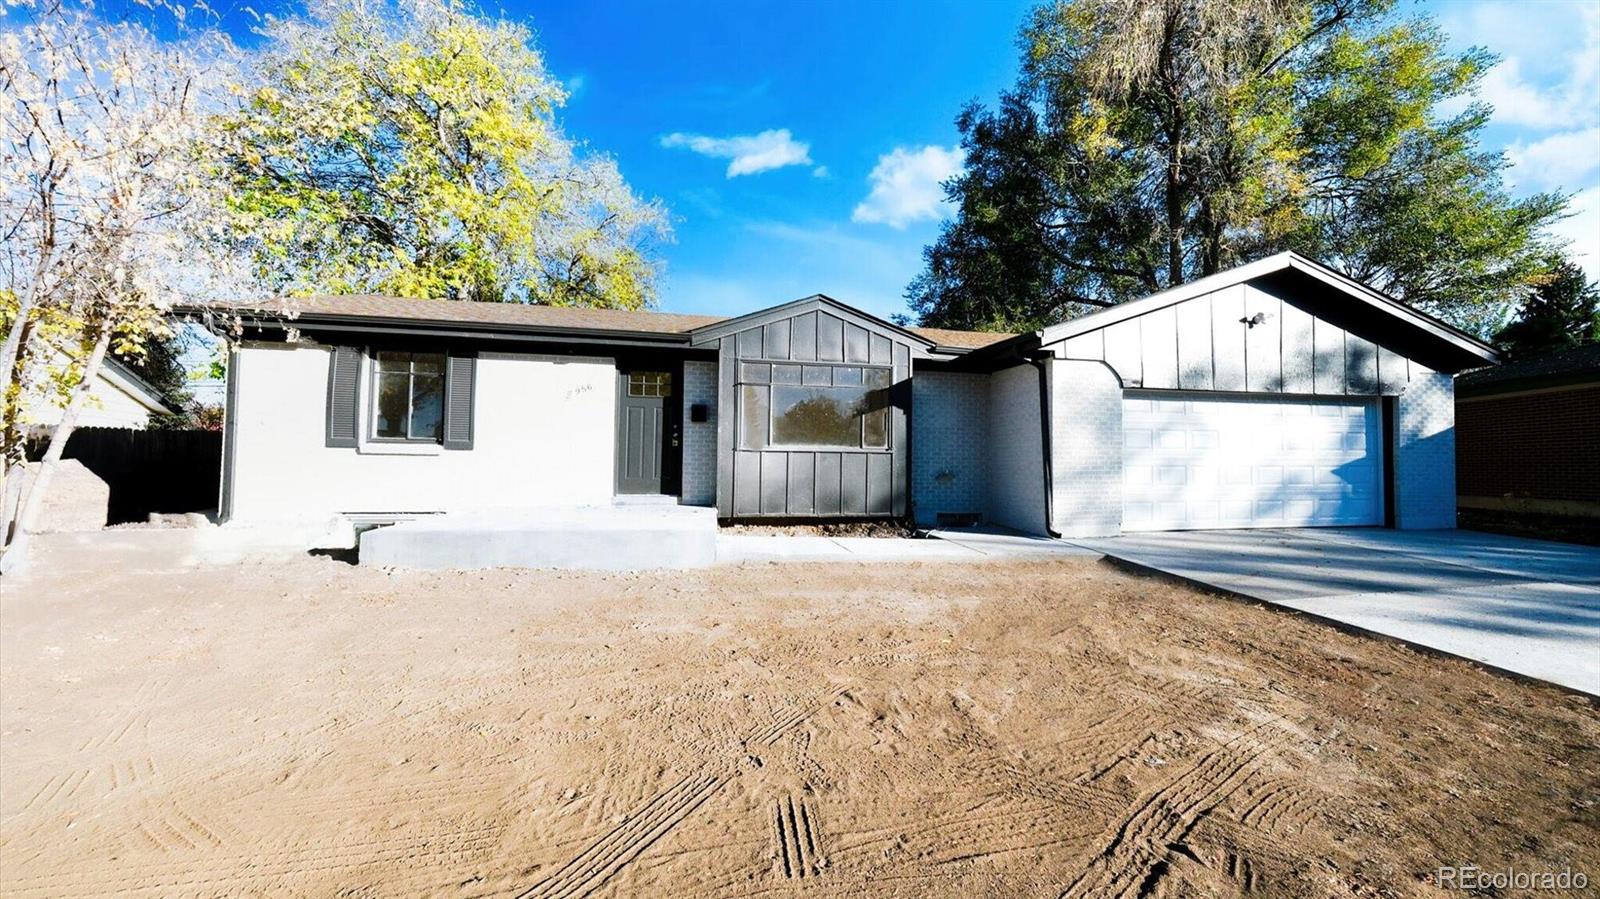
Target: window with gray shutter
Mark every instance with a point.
(344, 396)
(460, 373)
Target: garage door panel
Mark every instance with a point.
(1208, 462)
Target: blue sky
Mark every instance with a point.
(759, 126)
(799, 145)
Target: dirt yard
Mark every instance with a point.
(1020, 729)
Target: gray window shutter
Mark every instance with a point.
(460, 373)
(344, 396)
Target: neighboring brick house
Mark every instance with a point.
(1277, 394)
(1528, 435)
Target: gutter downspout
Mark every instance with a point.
(1044, 446)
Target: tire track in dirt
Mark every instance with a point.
(607, 856)
(1134, 855)
(604, 858)
(797, 854)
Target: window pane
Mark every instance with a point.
(785, 374)
(875, 426)
(432, 363)
(427, 407)
(817, 416)
(876, 377)
(846, 377)
(753, 417)
(664, 383)
(819, 375)
(388, 361)
(391, 405)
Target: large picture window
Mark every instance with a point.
(408, 397)
(794, 406)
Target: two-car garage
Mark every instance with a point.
(1278, 394)
(1192, 461)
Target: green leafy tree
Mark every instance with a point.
(1561, 314)
(1150, 142)
(412, 149)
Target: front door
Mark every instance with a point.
(647, 431)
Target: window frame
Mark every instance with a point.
(746, 366)
(371, 430)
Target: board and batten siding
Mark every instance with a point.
(1205, 343)
(783, 483)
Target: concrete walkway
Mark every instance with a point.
(1527, 606)
(964, 545)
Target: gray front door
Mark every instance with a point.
(644, 400)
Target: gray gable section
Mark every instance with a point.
(815, 328)
(811, 344)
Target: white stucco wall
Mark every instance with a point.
(544, 434)
(109, 405)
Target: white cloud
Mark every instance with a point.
(1549, 76)
(1582, 229)
(749, 153)
(1560, 161)
(906, 186)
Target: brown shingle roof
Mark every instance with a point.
(523, 315)
(970, 340)
(464, 312)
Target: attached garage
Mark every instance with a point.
(1193, 461)
(1278, 394)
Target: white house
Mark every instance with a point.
(118, 398)
(1276, 394)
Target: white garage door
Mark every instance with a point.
(1196, 461)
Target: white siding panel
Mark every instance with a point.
(1297, 350)
(1263, 356)
(1227, 336)
(1158, 337)
(1123, 351)
(1194, 343)
(1328, 363)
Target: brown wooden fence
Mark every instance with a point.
(148, 471)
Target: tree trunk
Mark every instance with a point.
(34, 504)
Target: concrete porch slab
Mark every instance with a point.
(620, 537)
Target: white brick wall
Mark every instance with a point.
(1016, 465)
(949, 437)
(1425, 453)
(699, 438)
(1086, 448)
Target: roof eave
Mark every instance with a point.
(387, 325)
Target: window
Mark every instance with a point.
(650, 383)
(408, 397)
(814, 406)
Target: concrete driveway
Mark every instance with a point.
(1526, 606)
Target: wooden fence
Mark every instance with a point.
(148, 471)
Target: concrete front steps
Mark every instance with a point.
(625, 535)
